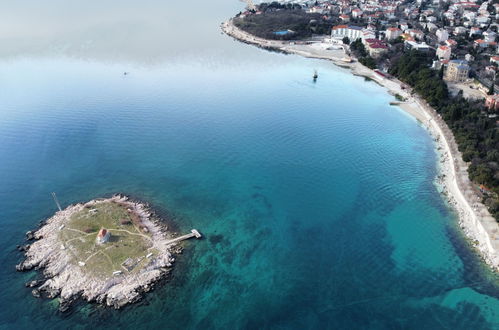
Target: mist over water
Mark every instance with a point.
(316, 201)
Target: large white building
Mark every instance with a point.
(339, 32)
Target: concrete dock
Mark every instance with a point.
(193, 233)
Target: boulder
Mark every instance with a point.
(32, 284)
(36, 293)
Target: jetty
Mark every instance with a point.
(193, 233)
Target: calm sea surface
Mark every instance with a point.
(316, 200)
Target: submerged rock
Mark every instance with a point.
(29, 235)
(32, 284)
(36, 293)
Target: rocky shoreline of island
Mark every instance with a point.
(63, 278)
(473, 217)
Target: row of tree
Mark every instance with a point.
(360, 52)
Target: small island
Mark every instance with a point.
(107, 251)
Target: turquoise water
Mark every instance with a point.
(316, 199)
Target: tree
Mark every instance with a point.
(491, 89)
(346, 41)
(368, 61)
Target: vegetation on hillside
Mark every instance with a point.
(475, 129)
(276, 17)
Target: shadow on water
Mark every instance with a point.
(476, 274)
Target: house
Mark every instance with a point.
(458, 30)
(413, 45)
(431, 19)
(494, 59)
(480, 44)
(416, 34)
(344, 18)
(451, 43)
(443, 52)
(470, 16)
(442, 35)
(489, 36)
(491, 70)
(407, 36)
(457, 71)
(367, 34)
(483, 21)
(492, 102)
(437, 65)
(356, 13)
(393, 33)
(317, 9)
(403, 26)
(103, 236)
(376, 47)
(431, 27)
(475, 31)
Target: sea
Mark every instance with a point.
(316, 200)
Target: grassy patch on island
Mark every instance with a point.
(126, 249)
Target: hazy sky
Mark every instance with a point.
(144, 31)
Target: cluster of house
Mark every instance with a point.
(445, 28)
(461, 33)
(456, 70)
(374, 46)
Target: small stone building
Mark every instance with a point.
(103, 236)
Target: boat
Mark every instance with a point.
(315, 75)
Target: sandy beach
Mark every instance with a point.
(474, 219)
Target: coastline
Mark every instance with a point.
(60, 276)
(473, 217)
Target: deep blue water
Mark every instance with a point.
(316, 200)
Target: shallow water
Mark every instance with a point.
(316, 200)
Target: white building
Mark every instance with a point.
(444, 52)
(459, 30)
(393, 33)
(475, 31)
(357, 13)
(489, 36)
(367, 34)
(339, 32)
(412, 45)
(442, 35)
